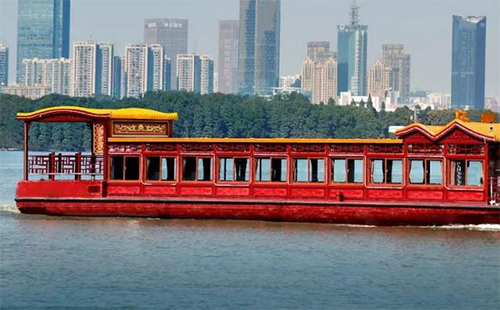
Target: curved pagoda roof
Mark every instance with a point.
(79, 114)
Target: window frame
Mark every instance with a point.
(176, 169)
(308, 176)
(197, 158)
(346, 182)
(256, 166)
(385, 183)
(449, 177)
(426, 171)
(124, 157)
(234, 158)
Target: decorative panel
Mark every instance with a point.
(159, 190)
(160, 147)
(98, 132)
(233, 191)
(346, 148)
(196, 147)
(387, 194)
(125, 148)
(425, 195)
(465, 196)
(140, 128)
(123, 190)
(423, 148)
(308, 148)
(233, 147)
(466, 149)
(196, 190)
(269, 191)
(347, 193)
(305, 192)
(269, 147)
(385, 148)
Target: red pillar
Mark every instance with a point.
(26, 149)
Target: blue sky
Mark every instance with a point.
(423, 26)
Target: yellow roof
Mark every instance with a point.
(252, 140)
(490, 131)
(126, 113)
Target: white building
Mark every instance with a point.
(155, 70)
(84, 69)
(188, 72)
(319, 79)
(48, 75)
(206, 75)
(135, 70)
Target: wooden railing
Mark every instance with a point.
(66, 167)
(495, 191)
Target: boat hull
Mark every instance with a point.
(386, 214)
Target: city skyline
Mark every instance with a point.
(431, 66)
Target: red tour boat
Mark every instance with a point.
(429, 175)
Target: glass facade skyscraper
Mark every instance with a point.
(468, 62)
(42, 30)
(352, 45)
(259, 46)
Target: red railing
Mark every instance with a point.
(62, 166)
(495, 191)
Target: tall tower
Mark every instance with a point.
(4, 65)
(172, 34)
(42, 30)
(228, 56)
(104, 69)
(188, 72)
(84, 68)
(259, 46)
(352, 45)
(468, 62)
(206, 75)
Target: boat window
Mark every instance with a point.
(278, 169)
(389, 171)
(263, 170)
(417, 172)
(426, 172)
(457, 170)
(116, 167)
(168, 169)
(474, 173)
(378, 171)
(153, 168)
(434, 172)
(270, 169)
(242, 169)
(189, 168)
(347, 170)
(131, 168)
(204, 169)
(234, 169)
(309, 170)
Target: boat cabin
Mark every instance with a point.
(134, 153)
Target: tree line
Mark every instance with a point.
(216, 115)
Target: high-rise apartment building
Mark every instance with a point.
(43, 28)
(206, 75)
(4, 65)
(228, 56)
(53, 75)
(155, 67)
(92, 68)
(167, 73)
(319, 73)
(394, 57)
(104, 69)
(352, 45)
(172, 34)
(259, 46)
(382, 78)
(135, 70)
(84, 68)
(468, 62)
(117, 77)
(189, 72)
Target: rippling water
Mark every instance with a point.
(127, 263)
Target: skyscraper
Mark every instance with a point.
(42, 30)
(319, 50)
(206, 75)
(117, 77)
(135, 70)
(395, 58)
(382, 78)
(172, 34)
(259, 46)
(104, 69)
(468, 61)
(319, 73)
(228, 56)
(352, 45)
(189, 72)
(4, 65)
(155, 67)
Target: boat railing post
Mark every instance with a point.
(78, 166)
(52, 162)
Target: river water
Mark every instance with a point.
(127, 263)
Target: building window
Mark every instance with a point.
(197, 169)
(124, 168)
(387, 171)
(347, 170)
(270, 169)
(160, 169)
(309, 170)
(426, 172)
(466, 172)
(234, 169)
